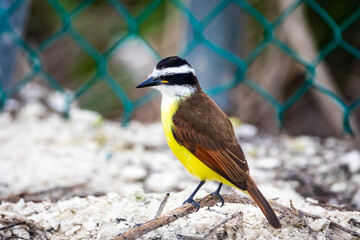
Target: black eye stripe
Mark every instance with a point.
(180, 79)
(176, 75)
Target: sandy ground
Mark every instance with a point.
(88, 178)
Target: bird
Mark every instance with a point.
(200, 134)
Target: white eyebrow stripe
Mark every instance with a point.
(171, 70)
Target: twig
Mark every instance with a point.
(162, 205)
(184, 237)
(327, 232)
(331, 206)
(306, 224)
(301, 215)
(12, 225)
(234, 215)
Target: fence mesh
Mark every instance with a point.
(198, 27)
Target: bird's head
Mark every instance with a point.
(172, 76)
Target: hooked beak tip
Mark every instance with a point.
(148, 83)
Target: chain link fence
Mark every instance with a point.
(102, 74)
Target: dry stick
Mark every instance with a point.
(234, 215)
(327, 232)
(301, 215)
(179, 212)
(306, 224)
(184, 237)
(12, 225)
(162, 205)
(330, 206)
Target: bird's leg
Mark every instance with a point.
(191, 198)
(217, 193)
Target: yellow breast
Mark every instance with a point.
(193, 164)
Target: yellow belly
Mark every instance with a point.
(192, 163)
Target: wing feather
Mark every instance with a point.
(209, 135)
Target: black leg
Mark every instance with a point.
(191, 198)
(217, 193)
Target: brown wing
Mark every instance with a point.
(205, 130)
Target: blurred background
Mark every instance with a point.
(291, 65)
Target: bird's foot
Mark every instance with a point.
(191, 200)
(217, 193)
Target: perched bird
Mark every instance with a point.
(200, 134)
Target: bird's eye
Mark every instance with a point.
(164, 81)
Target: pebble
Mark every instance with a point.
(108, 233)
(89, 226)
(72, 230)
(352, 159)
(133, 173)
(319, 224)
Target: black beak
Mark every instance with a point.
(149, 82)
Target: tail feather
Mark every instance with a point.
(263, 204)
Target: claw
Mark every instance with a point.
(219, 196)
(217, 193)
(196, 204)
(191, 198)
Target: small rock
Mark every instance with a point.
(133, 173)
(113, 196)
(319, 224)
(311, 200)
(72, 230)
(21, 233)
(108, 233)
(19, 206)
(352, 159)
(89, 226)
(339, 187)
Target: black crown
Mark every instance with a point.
(173, 61)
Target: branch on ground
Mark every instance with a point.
(210, 201)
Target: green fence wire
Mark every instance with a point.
(198, 27)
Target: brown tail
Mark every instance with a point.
(262, 203)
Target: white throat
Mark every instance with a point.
(172, 94)
(175, 90)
